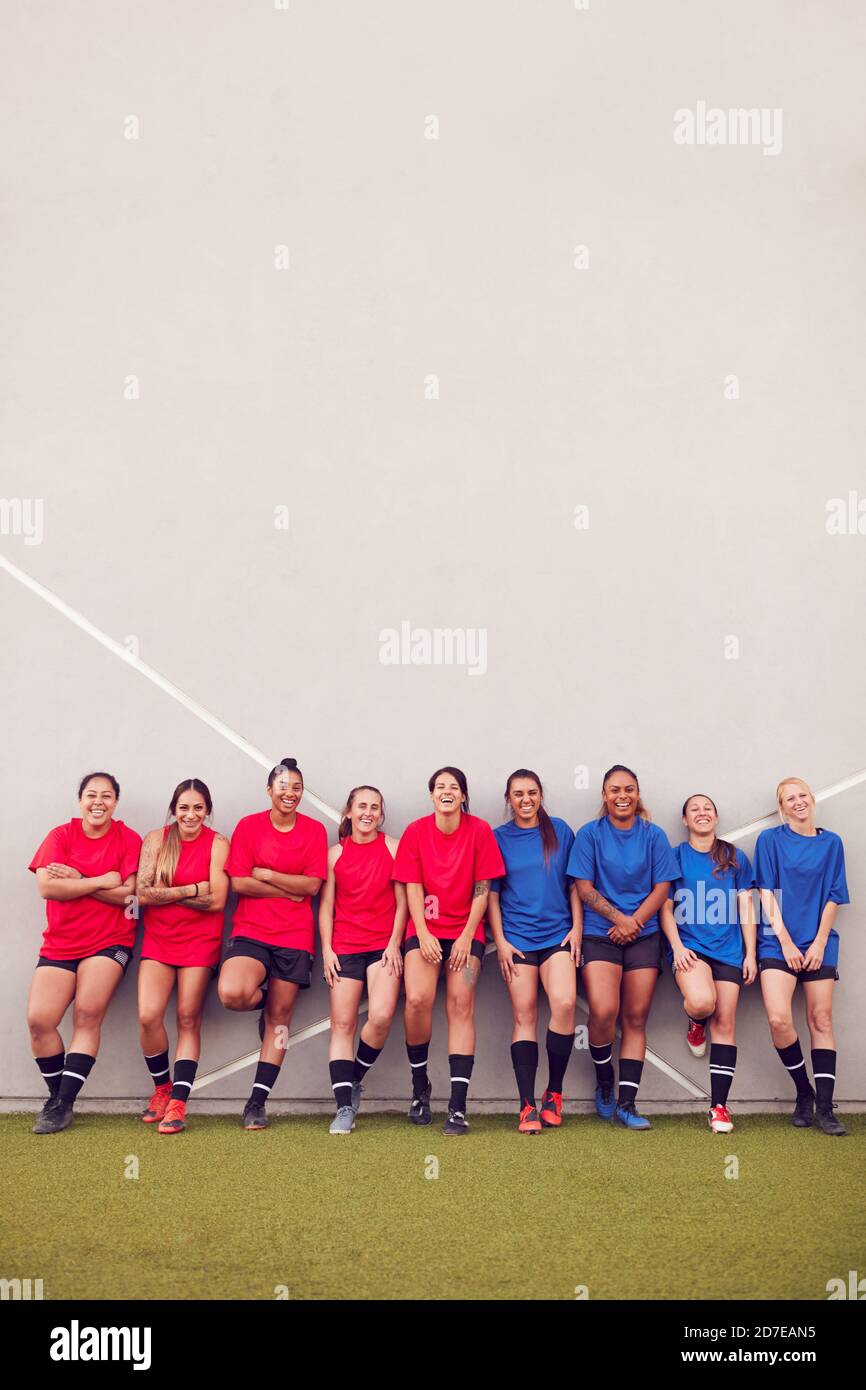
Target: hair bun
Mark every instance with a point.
(290, 763)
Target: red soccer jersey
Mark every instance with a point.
(82, 926)
(257, 844)
(448, 866)
(365, 902)
(176, 933)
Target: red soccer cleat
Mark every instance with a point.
(551, 1109)
(158, 1103)
(696, 1038)
(529, 1121)
(720, 1120)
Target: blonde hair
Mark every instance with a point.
(787, 782)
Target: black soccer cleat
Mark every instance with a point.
(56, 1114)
(254, 1115)
(804, 1111)
(827, 1122)
(456, 1123)
(419, 1110)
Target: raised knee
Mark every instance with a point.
(232, 998)
(700, 1005)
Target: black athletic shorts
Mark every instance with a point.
(720, 968)
(354, 965)
(281, 962)
(538, 957)
(413, 944)
(806, 977)
(643, 954)
(122, 954)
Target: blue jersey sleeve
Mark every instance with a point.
(766, 868)
(839, 885)
(581, 860)
(744, 878)
(566, 844)
(665, 866)
(497, 883)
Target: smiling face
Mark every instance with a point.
(621, 795)
(700, 816)
(285, 792)
(446, 794)
(365, 813)
(97, 803)
(796, 803)
(190, 813)
(524, 798)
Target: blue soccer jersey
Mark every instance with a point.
(624, 865)
(705, 904)
(533, 896)
(805, 872)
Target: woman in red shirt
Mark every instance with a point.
(183, 886)
(362, 917)
(277, 863)
(85, 870)
(446, 861)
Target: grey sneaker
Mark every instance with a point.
(344, 1121)
(56, 1115)
(357, 1092)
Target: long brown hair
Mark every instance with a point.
(722, 852)
(169, 850)
(641, 810)
(545, 824)
(345, 823)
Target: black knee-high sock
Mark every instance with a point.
(184, 1076)
(52, 1070)
(364, 1059)
(75, 1073)
(824, 1072)
(157, 1065)
(792, 1060)
(559, 1047)
(524, 1059)
(723, 1059)
(461, 1073)
(265, 1080)
(601, 1055)
(342, 1071)
(418, 1053)
(629, 1079)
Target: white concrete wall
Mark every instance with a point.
(559, 388)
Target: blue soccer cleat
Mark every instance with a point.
(604, 1102)
(627, 1115)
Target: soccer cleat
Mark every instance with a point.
(456, 1123)
(43, 1119)
(827, 1122)
(419, 1110)
(696, 1038)
(174, 1119)
(158, 1103)
(627, 1115)
(720, 1120)
(56, 1115)
(604, 1102)
(804, 1110)
(551, 1109)
(344, 1121)
(529, 1121)
(254, 1115)
(357, 1092)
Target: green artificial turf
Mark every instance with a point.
(220, 1213)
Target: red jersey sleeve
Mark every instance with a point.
(407, 861)
(316, 865)
(240, 861)
(130, 853)
(488, 857)
(52, 850)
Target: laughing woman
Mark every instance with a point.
(624, 866)
(85, 870)
(446, 861)
(277, 863)
(362, 917)
(183, 887)
(709, 922)
(536, 918)
(800, 872)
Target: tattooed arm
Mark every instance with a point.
(148, 894)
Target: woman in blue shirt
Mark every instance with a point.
(800, 871)
(709, 922)
(624, 866)
(536, 919)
